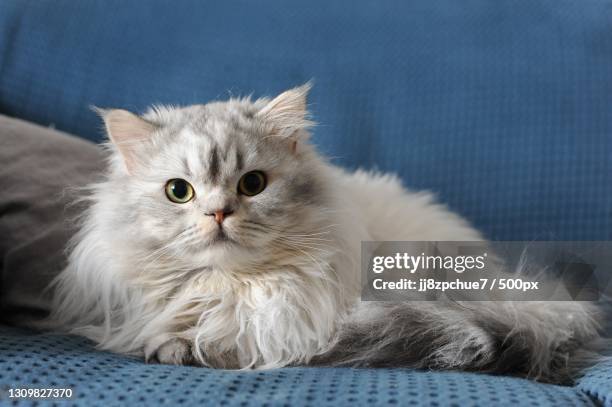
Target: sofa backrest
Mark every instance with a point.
(502, 108)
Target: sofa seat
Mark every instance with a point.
(105, 379)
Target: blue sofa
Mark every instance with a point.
(503, 108)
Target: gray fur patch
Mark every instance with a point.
(214, 166)
(449, 336)
(304, 190)
(239, 160)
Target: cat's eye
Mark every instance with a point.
(252, 183)
(179, 191)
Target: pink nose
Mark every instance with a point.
(220, 215)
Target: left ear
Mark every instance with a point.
(127, 132)
(287, 113)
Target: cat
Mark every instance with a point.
(220, 237)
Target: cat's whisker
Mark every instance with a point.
(184, 238)
(316, 262)
(287, 232)
(303, 249)
(174, 239)
(307, 245)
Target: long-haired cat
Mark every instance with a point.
(220, 237)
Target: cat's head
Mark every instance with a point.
(219, 182)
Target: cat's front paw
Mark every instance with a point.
(176, 351)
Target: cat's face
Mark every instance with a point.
(220, 182)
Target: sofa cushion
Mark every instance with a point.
(40, 174)
(105, 379)
(597, 382)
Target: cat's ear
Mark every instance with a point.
(288, 113)
(127, 132)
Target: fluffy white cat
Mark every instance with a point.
(220, 237)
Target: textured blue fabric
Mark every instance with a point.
(502, 108)
(597, 382)
(104, 379)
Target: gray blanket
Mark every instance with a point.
(41, 170)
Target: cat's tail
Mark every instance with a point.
(546, 341)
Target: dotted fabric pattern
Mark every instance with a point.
(597, 382)
(105, 379)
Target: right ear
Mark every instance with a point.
(126, 131)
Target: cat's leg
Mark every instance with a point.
(174, 351)
(418, 334)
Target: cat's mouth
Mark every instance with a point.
(221, 237)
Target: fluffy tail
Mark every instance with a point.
(545, 341)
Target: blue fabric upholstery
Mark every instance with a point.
(597, 383)
(502, 108)
(105, 379)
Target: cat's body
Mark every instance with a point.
(233, 280)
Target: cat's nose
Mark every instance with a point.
(221, 214)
